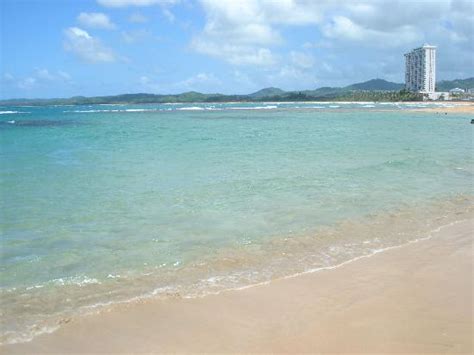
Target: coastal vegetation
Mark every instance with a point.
(372, 90)
(447, 85)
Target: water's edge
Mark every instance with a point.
(445, 220)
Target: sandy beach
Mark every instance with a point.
(237, 177)
(458, 107)
(410, 299)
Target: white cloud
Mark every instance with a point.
(245, 32)
(248, 28)
(206, 82)
(95, 20)
(147, 84)
(292, 77)
(137, 3)
(342, 28)
(258, 22)
(237, 22)
(137, 18)
(243, 79)
(389, 15)
(203, 81)
(240, 32)
(64, 76)
(387, 23)
(86, 47)
(40, 78)
(44, 74)
(8, 77)
(27, 83)
(201, 78)
(388, 34)
(287, 12)
(302, 60)
(135, 36)
(168, 14)
(144, 80)
(235, 54)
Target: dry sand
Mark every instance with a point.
(458, 107)
(412, 299)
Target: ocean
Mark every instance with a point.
(106, 204)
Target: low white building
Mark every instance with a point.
(438, 95)
(456, 91)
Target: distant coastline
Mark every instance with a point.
(376, 90)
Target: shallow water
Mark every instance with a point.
(110, 203)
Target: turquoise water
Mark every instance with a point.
(105, 204)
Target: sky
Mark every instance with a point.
(64, 48)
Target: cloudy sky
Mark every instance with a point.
(62, 48)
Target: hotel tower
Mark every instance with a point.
(420, 69)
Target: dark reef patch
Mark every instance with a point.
(37, 123)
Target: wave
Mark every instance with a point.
(196, 108)
(66, 281)
(114, 110)
(11, 112)
(267, 107)
(192, 108)
(168, 292)
(231, 269)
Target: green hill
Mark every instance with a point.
(372, 90)
(447, 85)
(377, 85)
(267, 92)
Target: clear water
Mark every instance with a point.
(110, 203)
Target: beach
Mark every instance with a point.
(414, 298)
(114, 214)
(451, 107)
(254, 176)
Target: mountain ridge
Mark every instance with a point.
(370, 90)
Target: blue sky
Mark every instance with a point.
(63, 48)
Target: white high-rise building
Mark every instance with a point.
(420, 69)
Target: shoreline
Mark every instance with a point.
(457, 108)
(468, 105)
(286, 314)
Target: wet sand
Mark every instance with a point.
(411, 299)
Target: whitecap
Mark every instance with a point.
(268, 107)
(138, 110)
(192, 108)
(85, 111)
(10, 112)
(75, 280)
(114, 110)
(111, 276)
